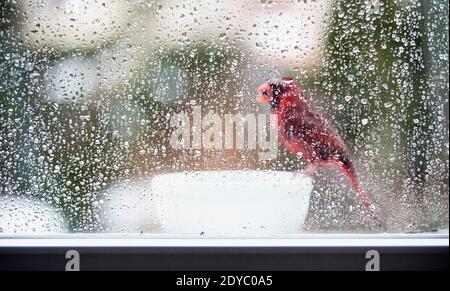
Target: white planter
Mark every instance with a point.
(19, 215)
(129, 207)
(232, 202)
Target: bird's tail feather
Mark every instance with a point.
(347, 167)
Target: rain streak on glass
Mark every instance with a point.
(90, 93)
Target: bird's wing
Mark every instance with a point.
(313, 132)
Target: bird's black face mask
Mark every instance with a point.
(277, 91)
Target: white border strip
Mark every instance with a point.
(308, 240)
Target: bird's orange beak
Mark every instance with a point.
(262, 99)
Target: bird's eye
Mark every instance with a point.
(276, 89)
(265, 93)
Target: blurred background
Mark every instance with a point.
(87, 88)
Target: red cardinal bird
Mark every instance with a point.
(304, 132)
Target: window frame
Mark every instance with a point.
(423, 251)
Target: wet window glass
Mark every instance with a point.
(223, 117)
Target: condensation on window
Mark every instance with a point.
(114, 116)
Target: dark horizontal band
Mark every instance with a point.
(307, 252)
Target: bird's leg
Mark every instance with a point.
(310, 170)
